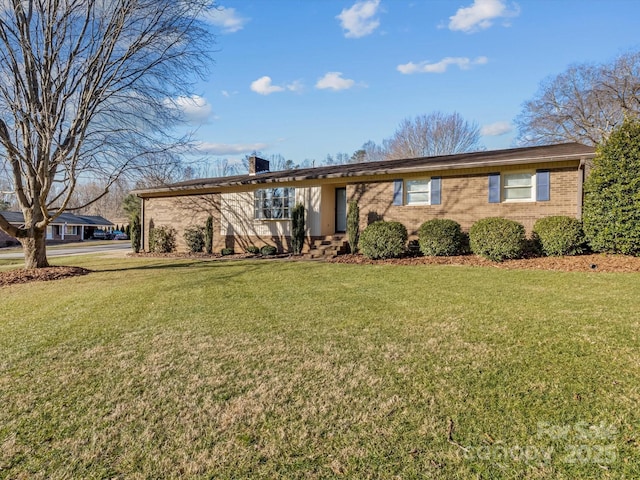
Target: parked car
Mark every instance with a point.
(102, 235)
(120, 235)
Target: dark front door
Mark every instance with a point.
(341, 210)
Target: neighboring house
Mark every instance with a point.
(66, 228)
(523, 184)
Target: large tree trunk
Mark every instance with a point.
(35, 250)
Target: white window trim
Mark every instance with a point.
(282, 219)
(427, 191)
(531, 199)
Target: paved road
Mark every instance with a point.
(121, 246)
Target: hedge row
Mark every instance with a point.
(494, 238)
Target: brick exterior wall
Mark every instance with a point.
(181, 213)
(465, 200)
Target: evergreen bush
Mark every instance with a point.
(383, 240)
(440, 237)
(611, 213)
(353, 226)
(162, 239)
(497, 238)
(208, 235)
(559, 235)
(194, 238)
(268, 250)
(135, 233)
(297, 229)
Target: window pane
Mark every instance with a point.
(273, 203)
(517, 180)
(519, 193)
(417, 197)
(417, 186)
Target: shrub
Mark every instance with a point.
(268, 250)
(226, 251)
(440, 237)
(497, 238)
(208, 235)
(194, 237)
(135, 233)
(559, 235)
(353, 226)
(611, 214)
(252, 249)
(162, 240)
(383, 240)
(297, 228)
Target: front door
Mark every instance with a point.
(341, 210)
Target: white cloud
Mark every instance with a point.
(195, 109)
(480, 15)
(359, 20)
(226, 18)
(464, 63)
(230, 148)
(496, 129)
(264, 86)
(334, 81)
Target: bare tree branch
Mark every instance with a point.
(85, 90)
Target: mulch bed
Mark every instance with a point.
(579, 263)
(22, 275)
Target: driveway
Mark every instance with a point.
(61, 251)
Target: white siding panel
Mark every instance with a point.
(237, 215)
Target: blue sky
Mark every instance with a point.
(308, 78)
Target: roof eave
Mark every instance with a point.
(257, 180)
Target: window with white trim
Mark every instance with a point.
(71, 230)
(273, 203)
(418, 192)
(519, 187)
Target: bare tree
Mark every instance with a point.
(372, 152)
(431, 135)
(583, 104)
(86, 89)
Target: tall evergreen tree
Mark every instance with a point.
(612, 193)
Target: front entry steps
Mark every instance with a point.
(328, 247)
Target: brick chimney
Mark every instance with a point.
(258, 165)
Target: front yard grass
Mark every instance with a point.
(153, 368)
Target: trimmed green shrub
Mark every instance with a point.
(440, 237)
(253, 250)
(497, 239)
(383, 240)
(194, 238)
(297, 229)
(268, 250)
(208, 235)
(135, 233)
(353, 226)
(226, 251)
(559, 235)
(611, 213)
(162, 239)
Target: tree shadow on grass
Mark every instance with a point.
(241, 267)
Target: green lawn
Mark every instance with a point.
(273, 369)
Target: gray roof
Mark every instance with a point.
(17, 218)
(495, 158)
